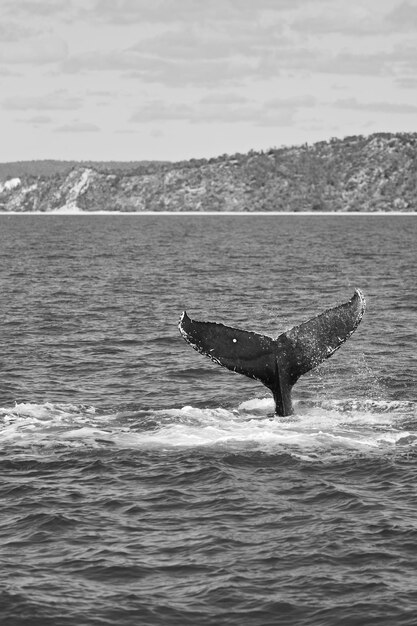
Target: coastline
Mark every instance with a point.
(213, 213)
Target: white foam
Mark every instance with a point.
(263, 405)
(336, 427)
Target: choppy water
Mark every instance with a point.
(142, 484)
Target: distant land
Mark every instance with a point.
(358, 173)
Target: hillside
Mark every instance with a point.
(50, 167)
(375, 173)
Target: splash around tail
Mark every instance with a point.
(277, 363)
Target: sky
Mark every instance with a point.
(133, 80)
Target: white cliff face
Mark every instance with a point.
(76, 184)
(10, 184)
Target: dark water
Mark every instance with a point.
(142, 484)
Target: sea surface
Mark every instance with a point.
(141, 484)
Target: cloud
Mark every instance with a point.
(206, 52)
(155, 12)
(224, 98)
(403, 62)
(209, 41)
(90, 61)
(78, 127)
(203, 55)
(294, 102)
(189, 11)
(225, 115)
(186, 56)
(37, 7)
(101, 93)
(224, 110)
(10, 31)
(34, 51)
(51, 102)
(403, 18)
(202, 73)
(113, 60)
(348, 20)
(283, 111)
(395, 62)
(158, 110)
(407, 82)
(285, 117)
(163, 70)
(376, 107)
(5, 71)
(357, 20)
(305, 60)
(37, 120)
(358, 64)
(324, 62)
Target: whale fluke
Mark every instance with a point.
(277, 363)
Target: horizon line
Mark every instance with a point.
(213, 213)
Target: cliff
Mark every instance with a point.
(375, 173)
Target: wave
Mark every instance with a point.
(329, 427)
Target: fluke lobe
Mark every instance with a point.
(277, 363)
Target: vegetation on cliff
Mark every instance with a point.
(375, 173)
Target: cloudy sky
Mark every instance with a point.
(177, 79)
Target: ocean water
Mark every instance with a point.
(142, 484)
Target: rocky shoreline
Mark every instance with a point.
(354, 174)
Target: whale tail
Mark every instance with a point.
(277, 363)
